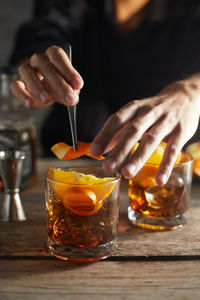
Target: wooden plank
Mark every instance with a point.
(134, 241)
(29, 238)
(36, 279)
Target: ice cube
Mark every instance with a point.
(165, 196)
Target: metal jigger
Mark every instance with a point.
(11, 166)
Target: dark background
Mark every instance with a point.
(12, 14)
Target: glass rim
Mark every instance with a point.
(116, 176)
(191, 159)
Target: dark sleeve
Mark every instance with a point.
(189, 46)
(54, 22)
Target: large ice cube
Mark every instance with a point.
(164, 196)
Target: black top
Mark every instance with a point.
(116, 68)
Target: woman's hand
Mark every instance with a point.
(171, 116)
(45, 78)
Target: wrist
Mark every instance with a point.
(191, 87)
(192, 84)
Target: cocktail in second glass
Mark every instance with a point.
(161, 207)
(82, 213)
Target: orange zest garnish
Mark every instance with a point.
(146, 176)
(64, 151)
(83, 194)
(157, 155)
(194, 150)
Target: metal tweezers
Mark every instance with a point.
(72, 109)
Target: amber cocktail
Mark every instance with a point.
(161, 207)
(82, 213)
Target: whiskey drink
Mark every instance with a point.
(82, 213)
(161, 207)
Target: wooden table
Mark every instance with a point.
(147, 265)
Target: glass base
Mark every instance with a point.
(156, 223)
(82, 254)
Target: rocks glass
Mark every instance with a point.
(161, 207)
(82, 213)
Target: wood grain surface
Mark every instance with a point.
(54, 279)
(147, 264)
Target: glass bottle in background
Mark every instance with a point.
(17, 126)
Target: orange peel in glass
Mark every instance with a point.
(194, 150)
(64, 151)
(83, 194)
(157, 155)
(146, 176)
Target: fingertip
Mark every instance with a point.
(161, 179)
(128, 171)
(71, 98)
(77, 83)
(109, 165)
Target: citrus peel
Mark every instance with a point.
(64, 151)
(194, 150)
(83, 194)
(146, 176)
(157, 155)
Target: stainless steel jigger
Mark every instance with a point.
(11, 166)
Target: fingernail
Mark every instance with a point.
(70, 98)
(77, 83)
(27, 102)
(129, 171)
(44, 96)
(161, 180)
(96, 149)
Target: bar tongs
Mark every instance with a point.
(72, 110)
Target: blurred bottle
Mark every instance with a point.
(17, 126)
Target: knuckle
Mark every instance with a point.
(23, 68)
(134, 102)
(113, 123)
(39, 61)
(129, 107)
(151, 138)
(131, 104)
(134, 129)
(117, 118)
(173, 149)
(148, 111)
(149, 107)
(54, 51)
(35, 57)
